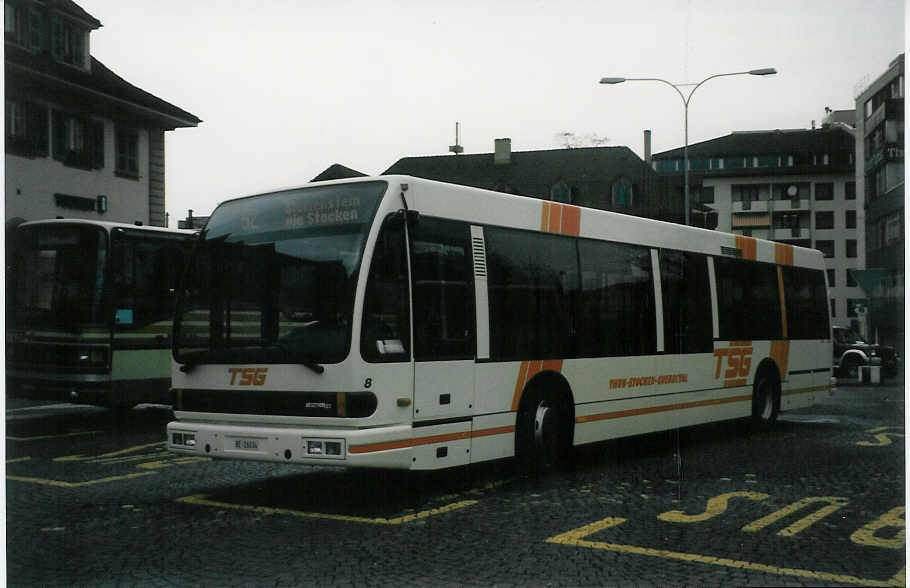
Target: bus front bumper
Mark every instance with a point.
(299, 445)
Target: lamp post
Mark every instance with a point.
(765, 71)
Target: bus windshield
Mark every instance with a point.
(273, 277)
(57, 277)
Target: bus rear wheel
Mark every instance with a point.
(543, 436)
(765, 402)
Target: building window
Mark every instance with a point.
(622, 193)
(824, 219)
(833, 303)
(851, 281)
(26, 128)
(850, 190)
(826, 159)
(824, 191)
(127, 163)
(892, 231)
(832, 277)
(850, 220)
(826, 247)
(77, 141)
(67, 42)
(851, 247)
(867, 108)
(706, 195)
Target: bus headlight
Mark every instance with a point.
(324, 448)
(183, 439)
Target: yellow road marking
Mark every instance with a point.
(575, 538)
(834, 503)
(111, 454)
(18, 459)
(163, 463)
(10, 438)
(882, 438)
(865, 535)
(716, 506)
(64, 484)
(201, 500)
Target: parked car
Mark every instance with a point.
(852, 351)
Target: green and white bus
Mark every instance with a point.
(89, 311)
(396, 322)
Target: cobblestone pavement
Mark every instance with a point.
(94, 499)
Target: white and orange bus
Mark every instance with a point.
(396, 322)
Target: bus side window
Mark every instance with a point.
(807, 312)
(616, 308)
(443, 290)
(748, 300)
(533, 281)
(686, 302)
(385, 330)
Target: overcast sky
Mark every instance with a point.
(286, 88)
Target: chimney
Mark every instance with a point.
(648, 146)
(502, 154)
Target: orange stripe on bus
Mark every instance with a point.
(529, 369)
(780, 353)
(555, 217)
(747, 245)
(571, 220)
(783, 301)
(807, 390)
(404, 443)
(734, 383)
(740, 343)
(655, 409)
(783, 254)
(545, 216)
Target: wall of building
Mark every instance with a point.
(32, 182)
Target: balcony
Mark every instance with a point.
(750, 206)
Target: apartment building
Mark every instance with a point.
(880, 179)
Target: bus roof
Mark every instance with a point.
(106, 225)
(484, 206)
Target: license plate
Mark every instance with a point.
(246, 444)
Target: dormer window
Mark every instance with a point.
(68, 42)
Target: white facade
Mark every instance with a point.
(32, 182)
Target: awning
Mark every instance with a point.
(751, 220)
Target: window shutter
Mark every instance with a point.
(58, 128)
(96, 136)
(37, 128)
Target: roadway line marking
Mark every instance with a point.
(18, 459)
(575, 538)
(10, 438)
(64, 484)
(202, 500)
(111, 454)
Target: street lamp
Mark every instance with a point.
(765, 71)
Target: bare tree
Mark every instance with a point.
(569, 140)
